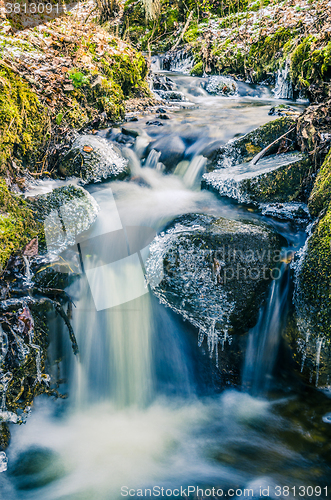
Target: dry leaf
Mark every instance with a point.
(87, 149)
(31, 249)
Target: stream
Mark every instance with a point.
(145, 408)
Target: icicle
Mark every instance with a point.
(5, 379)
(22, 347)
(3, 348)
(319, 344)
(3, 461)
(284, 87)
(28, 275)
(41, 377)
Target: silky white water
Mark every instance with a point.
(143, 408)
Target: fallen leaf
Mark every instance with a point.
(87, 149)
(31, 249)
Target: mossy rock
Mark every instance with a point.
(93, 159)
(312, 339)
(18, 225)
(64, 213)
(23, 120)
(320, 196)
(245, 148)
(277, 178)
(197, 69)
(4, 436)
(214, 272)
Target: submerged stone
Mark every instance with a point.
(93, 159)
(214, 272)
(276, 178)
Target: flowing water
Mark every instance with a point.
(144, 407)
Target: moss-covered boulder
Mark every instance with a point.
(277, 178)
(320, 196)
(93, 159)
(214, 272)
(23, 120)
(64, 213)
(18, 225)
(245, 148)
(311, 339)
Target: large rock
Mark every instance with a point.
(214, 272)
(310, 338)
(93, 159)
(65, 212)
(276, 178)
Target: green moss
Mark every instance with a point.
(321, 194)
(197, 69)
(128, 72)
(265, 55)
(310, 64)
(192, 34)
(314, 280)
(17, 223)
(281, 185)
(23, 121)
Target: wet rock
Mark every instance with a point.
(172, 150)
(214, 272)
(283, 110)
(276, 178)
(310, 336)
(130, 131)
(221, 85)
(245, 148)
(93, 159)
(155, 123)
(295, 211)
(65, 212)
(162, 83)
(171, 95)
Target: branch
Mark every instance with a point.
(183, 32)
(262, 153)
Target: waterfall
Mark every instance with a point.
(264, 338)
(284, 87)
(193, 174)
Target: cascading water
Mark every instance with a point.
(264, 338)
(284, 86)
(143, 409)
